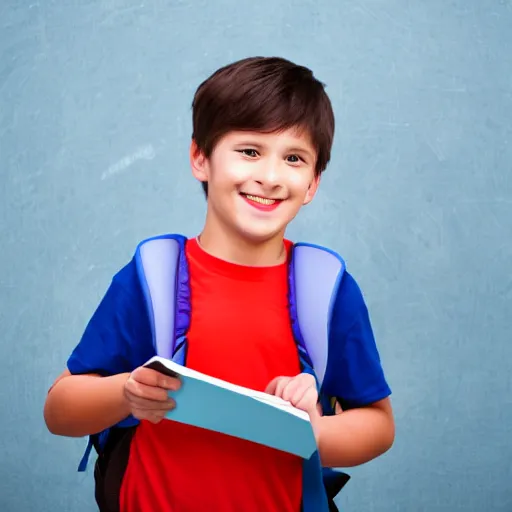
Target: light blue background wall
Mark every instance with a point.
(94, 132)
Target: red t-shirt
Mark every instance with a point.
(240, 331)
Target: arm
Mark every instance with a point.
(356, 436)
(354, 374)
(79, 405)
(348, 438)
(117, 340)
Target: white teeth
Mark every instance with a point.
(260, 200)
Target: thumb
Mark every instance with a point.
(272, 386)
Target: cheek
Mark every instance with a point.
(299, 185)
(230, 171)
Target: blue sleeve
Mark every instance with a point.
(354, 373)
(117, 337)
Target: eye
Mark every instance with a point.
(252, 153)
(294, 159)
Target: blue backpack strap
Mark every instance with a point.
(315, 275)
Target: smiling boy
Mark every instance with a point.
(262, 136)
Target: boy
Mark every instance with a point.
(262, 135)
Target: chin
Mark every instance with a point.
(259, 236)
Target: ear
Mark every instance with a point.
(313, 187)
(198, 162)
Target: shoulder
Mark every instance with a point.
(349, 302)
(128, 279)
(354, 373)
(326, 270)
(354, 370)
(125, 280)
(117, 335)
(124, 295)
(330, 265)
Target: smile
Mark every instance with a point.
(262, 203)
(261, 200)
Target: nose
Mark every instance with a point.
(268, 174)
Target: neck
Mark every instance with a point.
(241, 251)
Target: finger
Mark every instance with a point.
(308, 379)
(276, 386)
(272, 386)
(308, 401)
(151, 405)
(282, 386)
(151, 377)
(297, 395)
(301, 381)
(152, 417)
(155, 419)
(293, 387)
(304, 385)
(136, 389)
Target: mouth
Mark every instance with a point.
(262, 203)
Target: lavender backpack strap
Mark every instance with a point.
(317, 273)
(314, 279)
(163, 274)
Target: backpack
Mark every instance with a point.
(314, 276)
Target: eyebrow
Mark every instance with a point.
(249, 143)
(300, 149)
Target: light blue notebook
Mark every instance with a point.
(215, 404)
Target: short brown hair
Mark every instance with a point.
(265, 94)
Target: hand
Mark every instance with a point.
(146, 392)
(300, 391)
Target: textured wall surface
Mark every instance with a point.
(94, 132)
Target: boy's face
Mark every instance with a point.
(257, 182)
